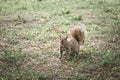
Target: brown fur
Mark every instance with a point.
(72, 45)
(69, 45)
(78, 33)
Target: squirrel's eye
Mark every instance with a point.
(62, 41)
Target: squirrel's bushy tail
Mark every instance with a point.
(79, 33)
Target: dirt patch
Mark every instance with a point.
(18, 22)
(32, 49)
(89, 17)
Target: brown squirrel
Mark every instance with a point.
(72, 45)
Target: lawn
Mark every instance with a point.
(29, 39)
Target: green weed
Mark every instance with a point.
(108, 59)
(78, 17)
(11, 63)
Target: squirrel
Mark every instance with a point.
(72, 45)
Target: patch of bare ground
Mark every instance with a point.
(88, 17)
(20, 22)
(54, 66)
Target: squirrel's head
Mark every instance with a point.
(63, 39)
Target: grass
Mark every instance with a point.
(29, 39)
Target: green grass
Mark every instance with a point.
(29, 39)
